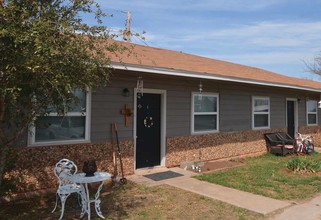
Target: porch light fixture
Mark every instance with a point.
(140, 85)
(126, 92)
(319, 104)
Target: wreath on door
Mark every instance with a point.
(148, 122)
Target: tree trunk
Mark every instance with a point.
(3, 138)
(4, 145)
(4, 150)
(5, 142)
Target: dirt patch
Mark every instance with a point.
(305, 173)
(221, 165)
(216, 165)
(166, 202)
(132, 201)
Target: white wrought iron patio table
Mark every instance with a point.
(83, 179)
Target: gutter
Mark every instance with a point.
(172, 72)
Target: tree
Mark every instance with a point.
(315, 67)
(46, 52)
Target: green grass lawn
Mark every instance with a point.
(268, 175)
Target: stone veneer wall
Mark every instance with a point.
(223, 145)
(33, 166)
(214, 146)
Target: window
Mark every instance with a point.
(57, 129)
(204, 113)
(312, 112)
(260, 112)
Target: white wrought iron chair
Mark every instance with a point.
(64, 169)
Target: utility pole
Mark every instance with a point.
(127, 33)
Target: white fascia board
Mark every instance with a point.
(172, 72)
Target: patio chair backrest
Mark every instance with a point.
(63, 169)
(271, 136)
(285, 136)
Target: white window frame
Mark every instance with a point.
(194, 94)
(310, 113)
(261, 113)
(32, 129)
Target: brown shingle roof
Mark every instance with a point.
(150, 57)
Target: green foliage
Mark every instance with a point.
(304, 164)
(46, 52)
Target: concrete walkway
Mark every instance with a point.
(249, 201)
(234, 197)
(310, 210)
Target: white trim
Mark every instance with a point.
(171, 72)
(261, 113)
(315, 113)
(296, 114)
(135, 125)
(163, 94)
(217, 113)
(32, 129)
(88, 116)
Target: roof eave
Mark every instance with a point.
(173, 72)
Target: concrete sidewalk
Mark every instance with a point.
(249, 201)
(310, 210)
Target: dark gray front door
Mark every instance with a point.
(290, 118)
(148, 130)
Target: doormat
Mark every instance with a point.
(163, 175)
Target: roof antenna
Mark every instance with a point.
(126, 33)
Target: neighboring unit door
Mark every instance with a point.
(290, 118)
(148, 130)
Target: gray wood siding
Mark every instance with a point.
(235, 104)
(278, 111)
(105, 110)
(178, 112)
(235, 108)
(302, 113)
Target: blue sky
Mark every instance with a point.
(276, 35)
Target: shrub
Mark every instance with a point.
(303, 164)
